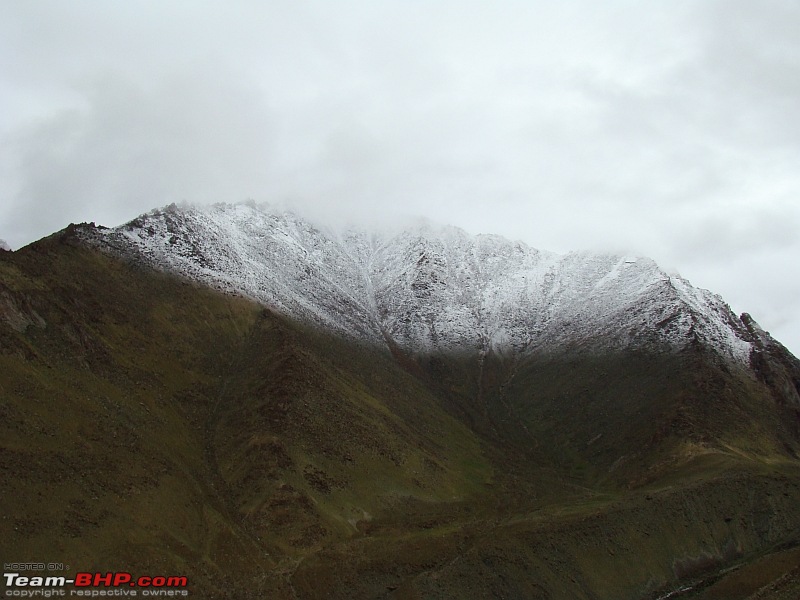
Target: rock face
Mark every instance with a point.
(433, 289)
(774, 365)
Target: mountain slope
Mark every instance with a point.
(348, 436)
(149, 423)
(491, 325)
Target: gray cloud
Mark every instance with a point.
(664, 130)
(130, 147)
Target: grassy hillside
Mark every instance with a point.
(157, 427)
(150, 422)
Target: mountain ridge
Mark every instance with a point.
(430, 287)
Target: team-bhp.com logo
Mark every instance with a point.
(114, 584)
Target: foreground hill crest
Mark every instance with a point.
(427, 289)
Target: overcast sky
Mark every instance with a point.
(668, 129)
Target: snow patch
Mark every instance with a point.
(431, 288)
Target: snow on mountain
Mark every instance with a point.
(4, 246)
(429, 288)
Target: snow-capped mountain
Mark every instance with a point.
(428, 288)
(481, 415)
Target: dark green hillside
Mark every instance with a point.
(154, 426)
